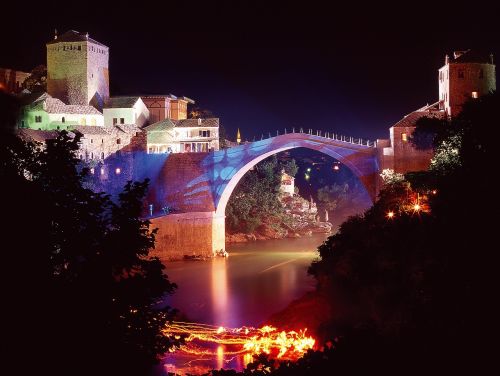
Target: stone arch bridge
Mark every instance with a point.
(198, 186)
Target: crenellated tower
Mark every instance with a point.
(77, 69)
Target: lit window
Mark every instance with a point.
(102, 170)
(475, 95)
(404, 137)
(118, 170)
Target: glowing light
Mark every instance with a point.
(118, 170)
(416, 207)
(92, 170)
(102, 170)
(244, 340)
(306, 176)
(336, 167)
(309, 169)
(390, 214)
(434, 191)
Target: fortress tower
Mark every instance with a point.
(77, 69)
(468, 74)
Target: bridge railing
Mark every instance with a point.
(323, 134)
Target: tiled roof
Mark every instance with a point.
(92, 130)
(74, 36)
(36, 135)
(56, 106)
(121, 102)
(162, 125)
(411, 119)
(472, 56)
(210, 122)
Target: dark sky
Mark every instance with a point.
(263, 66)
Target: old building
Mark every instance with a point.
(183, 136)
(77, 69)
(11, 80)
(158, 106)
(468, 74)
(43, 112)
(125, 110)
(179, 107)
(287, 186)
(98, 143)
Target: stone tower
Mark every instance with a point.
(469, 74)
(77, 69)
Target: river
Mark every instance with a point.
(256, 280)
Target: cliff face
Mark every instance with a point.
(300, 218)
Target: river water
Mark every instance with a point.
(256, 280)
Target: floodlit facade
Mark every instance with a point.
(183, 136)
(125, 110)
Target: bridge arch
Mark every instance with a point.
(236, 162)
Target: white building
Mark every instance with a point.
(125, 110)
(46, 113)
(287, 186)
(183, 136)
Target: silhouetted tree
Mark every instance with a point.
(83, 285)
(36, 82)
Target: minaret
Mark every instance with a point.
(238, 137)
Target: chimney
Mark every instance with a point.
(199, 121)
(446, 59)
(87, 35)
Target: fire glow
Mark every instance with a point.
(199, 340)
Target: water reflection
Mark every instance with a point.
(255, 281)
(219, 291)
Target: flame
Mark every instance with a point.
(245, 340)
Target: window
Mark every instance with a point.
(102, 155)
(91, 140)
(118, 141)
(22, 123)
(102, 140)
(38, 119)
(92, 155)
(79, 48)
(404, 137)
(204, 133)
(481, 73)
(63, 120)
(122, 120)
(460, 74)
(115, 121)
(475, 95)
(58, 127)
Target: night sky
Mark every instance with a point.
(263, 66)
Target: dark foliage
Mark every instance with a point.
(82, 285)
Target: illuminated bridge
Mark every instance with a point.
(198, 185)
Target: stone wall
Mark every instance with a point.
(406, 157)
(67, 72)
(191, 234)
(97, 75)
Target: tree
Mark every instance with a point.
(85, 261)
(36, 82)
